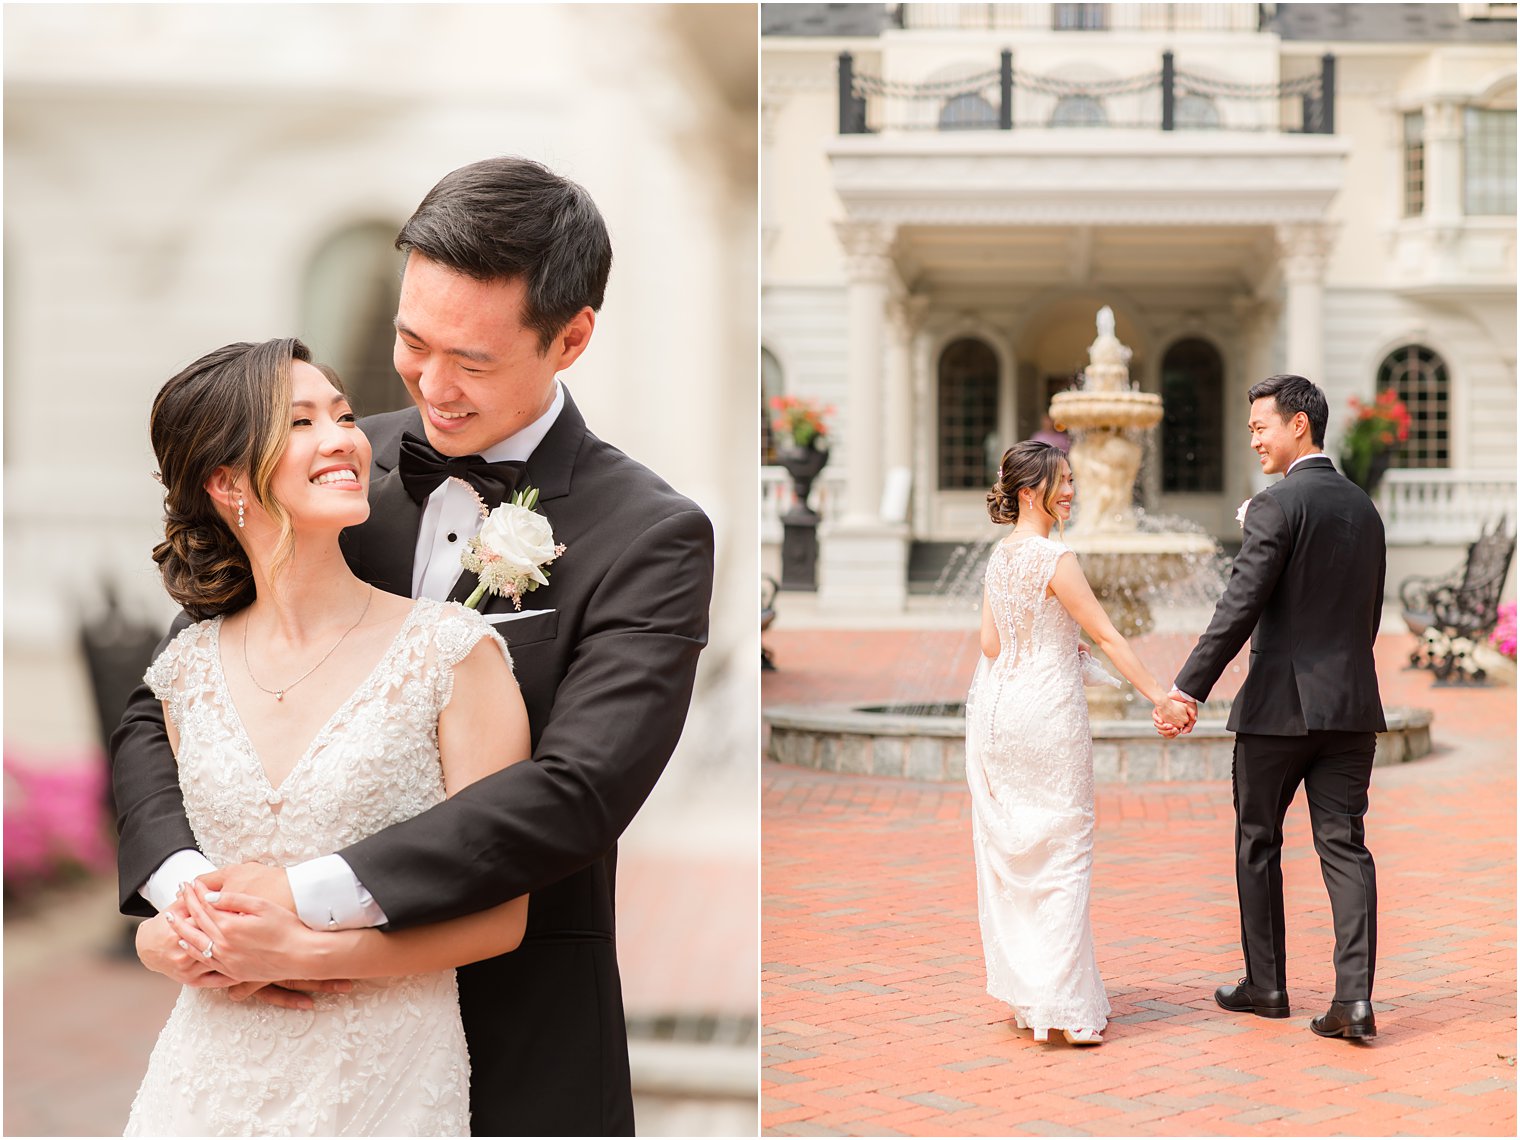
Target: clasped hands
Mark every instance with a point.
(245, 916)
(1175, 716)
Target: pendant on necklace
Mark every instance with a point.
(280, 696)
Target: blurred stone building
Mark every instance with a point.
(952, 191)
(181, 176)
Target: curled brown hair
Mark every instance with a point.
(1027, 464)
(231, 408)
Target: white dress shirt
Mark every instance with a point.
(327, 893)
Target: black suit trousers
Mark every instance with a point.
(1335, 769)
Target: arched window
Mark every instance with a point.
(1192, 394)
(770, 388)
(1420, 379)
(969, 112)
(1195, 113)
(348, 310)
(1078, 111)
(968, 405)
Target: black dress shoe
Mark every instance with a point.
(1349, 1019)
(1246, 998)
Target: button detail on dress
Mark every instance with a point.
(453, 537)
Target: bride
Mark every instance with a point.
(307, 710)
(1029, 754)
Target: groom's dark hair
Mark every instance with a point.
(1294, 394)
(505, 218)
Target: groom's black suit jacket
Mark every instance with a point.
(1307, 588)
(606, 675)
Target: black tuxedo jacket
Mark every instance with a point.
(1307, 588)
(606, 674)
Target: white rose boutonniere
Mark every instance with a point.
(1240, 515)
(510, 552)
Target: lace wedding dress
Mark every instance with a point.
(1029, 765)
(388, 1058)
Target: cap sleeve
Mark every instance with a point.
(1047, 554)
(457, 631)
(168, 674)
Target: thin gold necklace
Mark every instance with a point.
(279, 694)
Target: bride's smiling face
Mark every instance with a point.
(1066, 490)
(323, 476)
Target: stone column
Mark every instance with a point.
(863, 561)
(905, 314)
(867, 247)
(771, 104)
(1304, 248)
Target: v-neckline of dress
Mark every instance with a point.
(275, 792)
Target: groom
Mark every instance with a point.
(1307, 588)
(506, 267)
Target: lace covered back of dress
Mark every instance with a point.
(1030, 622)
(374, 763)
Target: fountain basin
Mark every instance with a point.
(876, 740)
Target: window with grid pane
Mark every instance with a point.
(1419, 378)
(1192, 425)
(1414, 164)
(968, 398)
(1488, 161)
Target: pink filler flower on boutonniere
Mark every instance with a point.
(509, 554)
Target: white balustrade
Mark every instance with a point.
(776, 498)
(1423, 506)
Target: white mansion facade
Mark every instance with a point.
(1322, 189)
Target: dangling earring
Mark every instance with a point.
(240, 512)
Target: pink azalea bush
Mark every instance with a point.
(1503, 637)
(54, 820)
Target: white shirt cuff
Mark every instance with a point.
(184, 865)
(329, 896)
(1184, 696)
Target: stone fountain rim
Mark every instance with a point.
(853, 718)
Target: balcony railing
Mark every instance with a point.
(1443, 506)
(1082, 17)
(1004, 98)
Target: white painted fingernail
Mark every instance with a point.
(212, 896)
(183, 945)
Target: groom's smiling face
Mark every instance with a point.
(1277, 441)
(476, 371)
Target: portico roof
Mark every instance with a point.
(1092, 177)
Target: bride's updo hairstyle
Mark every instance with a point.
(1029, 464)
(231, 408)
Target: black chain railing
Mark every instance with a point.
(1004, 99)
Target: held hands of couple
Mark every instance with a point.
(1174, 716)
(251, 927)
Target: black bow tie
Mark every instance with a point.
(422, 468)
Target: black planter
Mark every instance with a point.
(799, 539)
(803, 464)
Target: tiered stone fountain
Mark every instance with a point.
(1124, 565)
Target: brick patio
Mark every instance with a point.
(877, 1022)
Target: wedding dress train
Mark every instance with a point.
(388, 1058)
(1029, 766)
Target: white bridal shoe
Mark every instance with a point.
(1082, 1036)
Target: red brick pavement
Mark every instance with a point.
(876, 1017)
